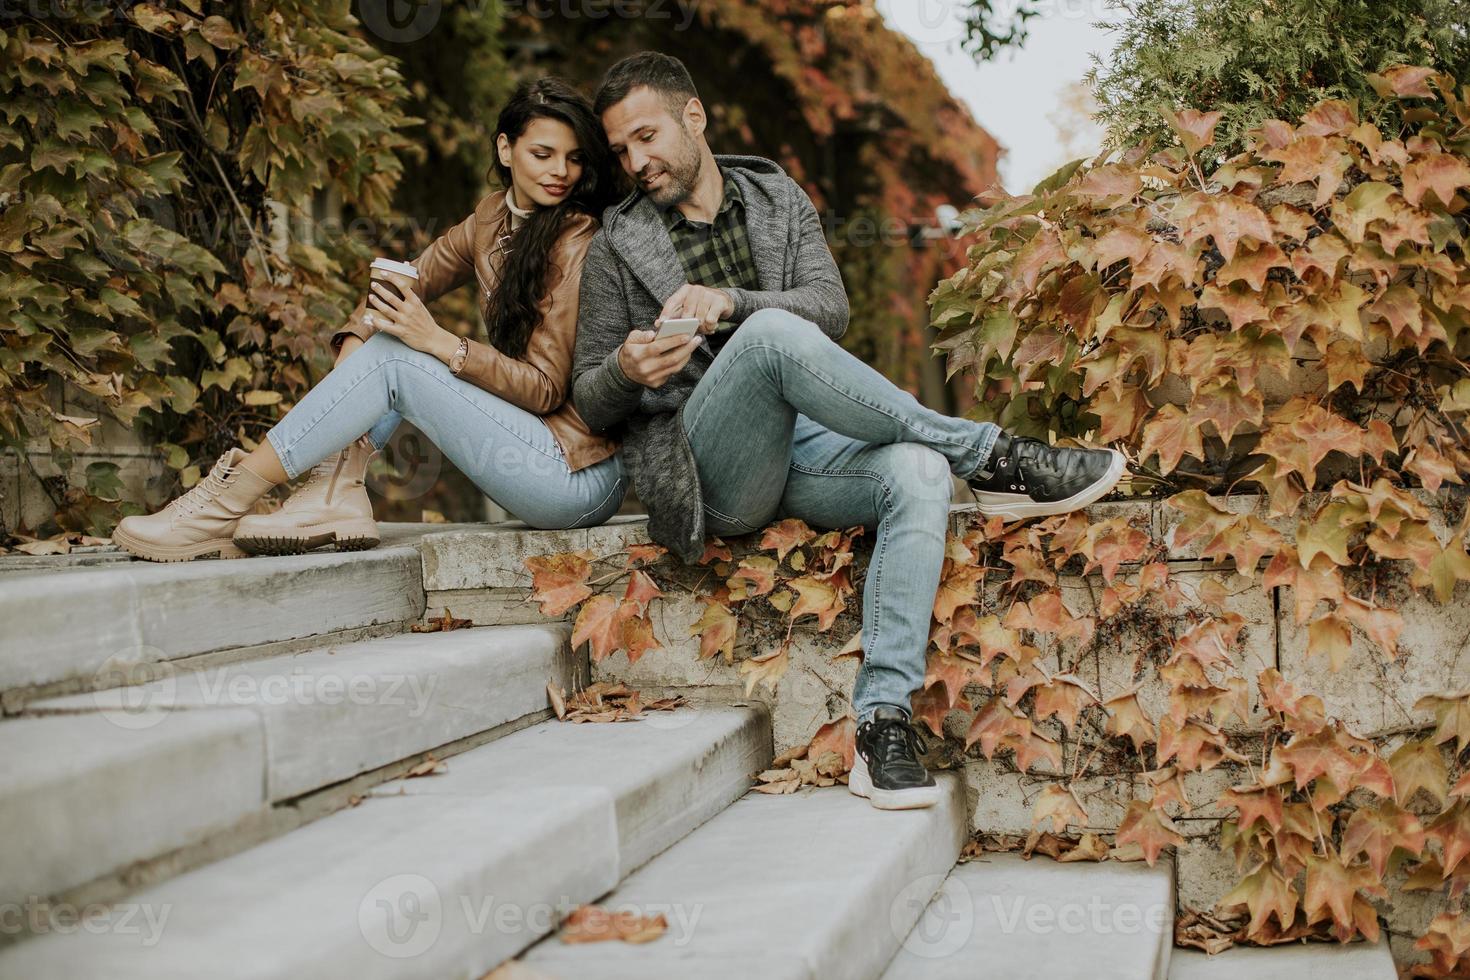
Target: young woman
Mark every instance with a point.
(500, 412)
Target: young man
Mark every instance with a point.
(760, 414)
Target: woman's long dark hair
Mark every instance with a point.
(514, 305)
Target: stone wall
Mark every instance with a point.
(483, 577)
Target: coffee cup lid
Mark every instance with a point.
(391, 265)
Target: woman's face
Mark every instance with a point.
(545, 163)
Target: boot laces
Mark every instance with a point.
(321, 472)
(203, 492)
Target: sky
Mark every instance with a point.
(1020, 96)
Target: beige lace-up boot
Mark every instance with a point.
(202, 521)
(332, 506)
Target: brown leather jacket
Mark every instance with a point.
(540, 380)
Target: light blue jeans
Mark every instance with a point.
(507, 451)
(785, 423)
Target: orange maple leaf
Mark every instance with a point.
(1126, 717)
(716, 631)
(786, 535)
(715, 550)
(1419, 764)
(1254, 803)
(755, 575)
(1150, 829)
(1064, 696)
(956, 590)
(993, 723)
(558, 582)
(767, 668)
(1322, 753)
(951, 674)
(1452, 717)
(600, 625)
(1227, 407)
(1227, 219)
(1452, 830)
(1383, 626)
(1376, 831)
(818, 596)
(1266, 893)
(643, 554)
(1172, 435)
(931, 705)
(638, 636)
(1440, 174)
(1058, 805)
(1332, 888)
(641, 590)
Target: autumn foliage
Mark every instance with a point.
(158, 255)
(1294, 326)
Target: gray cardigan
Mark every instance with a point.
(630, 271)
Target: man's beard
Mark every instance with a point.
(679, 180)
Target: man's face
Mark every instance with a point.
(653, 147)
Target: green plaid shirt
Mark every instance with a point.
(717, 253)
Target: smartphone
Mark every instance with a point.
(678, 327)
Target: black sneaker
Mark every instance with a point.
(1027, 478)
(886, 768)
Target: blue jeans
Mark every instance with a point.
(507, 451)
(785, 423)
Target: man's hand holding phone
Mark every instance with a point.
(653, 357)
(704, 303)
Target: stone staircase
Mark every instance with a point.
(211, 769)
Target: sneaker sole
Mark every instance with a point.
(860, 784)
(356, 538)
(222, 548)
(1019, 507)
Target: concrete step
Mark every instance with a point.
(1298, 961)
(1043, 919)
(85, 624)
(813, 885)
(667, 773)
(448, 878)
(116, 776)
(81, 797)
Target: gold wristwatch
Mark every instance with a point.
(461, 354)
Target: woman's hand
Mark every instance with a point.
(409, 320)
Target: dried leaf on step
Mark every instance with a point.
(515, 970)
(1044, 842)
(1208, 931)
(785, 758)
(59, 545)
(605, 702)
(1090, 848)
(778, 781)
(429, 767)
(443, 624)
(595, 924)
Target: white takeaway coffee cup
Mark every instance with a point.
(400, 277)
